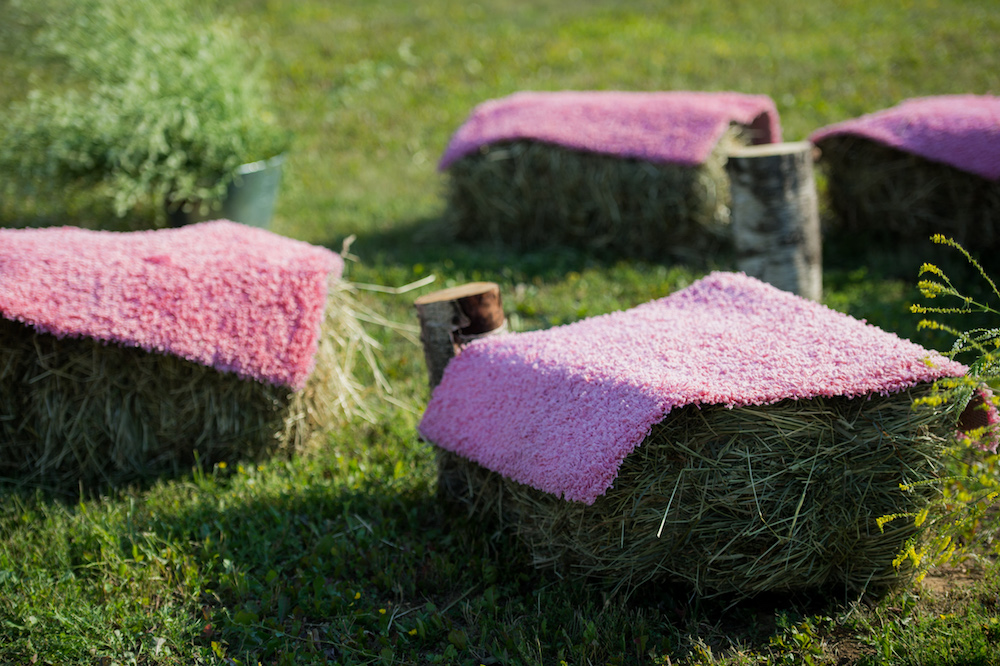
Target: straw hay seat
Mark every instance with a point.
(731, 437)
(129, 354)
(629, 173)
(926, 166)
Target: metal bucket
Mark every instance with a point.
(249, 199)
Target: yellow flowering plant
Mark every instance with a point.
(950, 524)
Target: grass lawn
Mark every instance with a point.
(344, 555)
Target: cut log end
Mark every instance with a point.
(469, 289)
(775, 216)
(771, 149)
(450, 318)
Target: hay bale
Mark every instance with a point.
(628, 174)
(731, 437)
(880, 193)
(78, 409)
(739, 501)
(928, 165)
(526, 194)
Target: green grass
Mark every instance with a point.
(345, 555)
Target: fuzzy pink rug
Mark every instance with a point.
(666, 127)
(236, 298)
(560, 409)
(962, 131)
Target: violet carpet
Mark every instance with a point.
(560, 409)
(236, 298)
(962, 131)
(675, 127)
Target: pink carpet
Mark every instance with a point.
(962, 131)
(236, 298)
(560, 409)
(665, 127)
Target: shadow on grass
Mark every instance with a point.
(888, 257)
(80, 208)
(878, 282)
(351, 556)
(429, 241)
(356, 560)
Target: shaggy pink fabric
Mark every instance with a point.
(962, 131)
(666, 127)
(560, 409)
(236, 298)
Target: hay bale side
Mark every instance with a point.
(79, 411)
(737, 501)
(527, 194)
(880, 193)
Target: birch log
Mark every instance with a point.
(775, 216)
(450, 318)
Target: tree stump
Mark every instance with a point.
(451, 318)
(775, 216)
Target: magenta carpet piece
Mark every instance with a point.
(962, 131)
(666, 127)
(236, 298)
(560, 409)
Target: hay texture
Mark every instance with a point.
(124, 355)
(730, 437)
(635, 174)
(929, 165)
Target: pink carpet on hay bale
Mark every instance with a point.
(236, 298)
(675, 127)
(560, 409)
(962, 131)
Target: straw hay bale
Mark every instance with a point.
(737, 501)
(880, 193)
(74, 410)
(528, 194)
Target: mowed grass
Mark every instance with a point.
(345, 554)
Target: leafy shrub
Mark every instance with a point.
(149, 101)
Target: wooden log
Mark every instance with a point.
(451, 318)
(775, 216)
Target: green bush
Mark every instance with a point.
(147, 102)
